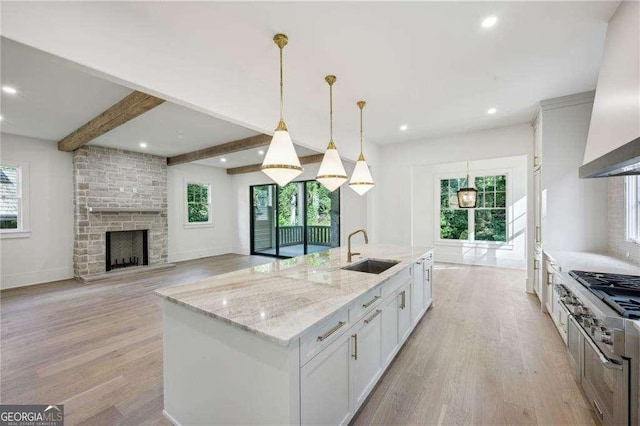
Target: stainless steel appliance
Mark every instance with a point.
(603, 342)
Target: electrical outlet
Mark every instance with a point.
(121, 189)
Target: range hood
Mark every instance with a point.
(613, 143)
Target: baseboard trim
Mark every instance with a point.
(199, 254)
(37, 277)
(125, 272)
(479, 261)
(171, 419)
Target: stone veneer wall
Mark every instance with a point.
(107, 177)
(618, 244)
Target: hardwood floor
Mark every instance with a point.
(484, 354)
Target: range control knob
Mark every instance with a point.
(606, 338)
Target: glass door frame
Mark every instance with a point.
(277, 225)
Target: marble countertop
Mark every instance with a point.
(281, 300)
(595, 262)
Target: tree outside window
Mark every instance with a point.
(487, 222)
(198, 203)
(10, 197)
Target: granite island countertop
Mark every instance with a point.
(281, 300)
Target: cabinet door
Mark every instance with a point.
(537, 207)
(404, 312)
(428, 273)
(390, 328)
(417, 292)
(325, 385)
(367, 360)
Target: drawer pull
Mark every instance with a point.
(549, 278)
(371, 302)
(598, 410)
(403, 303)
(375, 314)
(354, 355)
(330, 332)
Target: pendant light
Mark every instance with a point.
(281, 162)
(361, 180)
(467, 197)
(331, 173)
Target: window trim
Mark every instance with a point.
(185, 207)
(24, 216)
(507, 245)
(632, 208)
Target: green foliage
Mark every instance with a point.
(198, 202)
(288, 199)
(490, 216)
(318, 204)
(8, 223)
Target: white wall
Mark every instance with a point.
(353, 208)
(46, 255)
(193, 243)
(398, 218)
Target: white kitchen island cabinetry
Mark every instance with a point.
(298, 341)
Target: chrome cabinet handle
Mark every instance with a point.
(537, 234)
(403, 303)
(354, 355)
(598, 410)
(549, 278)
(536, 264)
(371, 302)
(330, 332)
(375, 314)
(428, 277)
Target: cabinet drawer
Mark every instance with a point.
(366, 303)
(393, 283)
(320, 336)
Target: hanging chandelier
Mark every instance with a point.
(361, 180)
(281, 162)
(331, 173)
(467, 197)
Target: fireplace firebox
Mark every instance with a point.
(126, 249)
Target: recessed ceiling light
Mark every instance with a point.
(491, 111)
(261, 152)
(224, 160)
(0, 118)
(404, 127)
(489, 22)
(10, 90)
(143, 144)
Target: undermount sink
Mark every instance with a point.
(372, 266)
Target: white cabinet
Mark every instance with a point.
(367, 356)
(404, 312)
(325, 385)
(417, 292)
(390, 329)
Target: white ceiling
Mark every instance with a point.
(247, 157)
(429, 65)
(54, 96)
(171, 129)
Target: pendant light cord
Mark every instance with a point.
(360, 131)
(331, 112)
(281, 89)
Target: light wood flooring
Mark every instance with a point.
(484, 354)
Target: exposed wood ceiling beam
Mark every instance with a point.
(316, 158)
(225, 148)
(116, 115)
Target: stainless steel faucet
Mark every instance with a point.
(366, 241)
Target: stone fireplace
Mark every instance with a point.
(114, 191)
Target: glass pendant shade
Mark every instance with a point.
(281, 162)
(467, 198)
(331, 173)
(361, 180)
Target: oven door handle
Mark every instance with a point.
(606, 362)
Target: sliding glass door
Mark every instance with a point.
(296, 219)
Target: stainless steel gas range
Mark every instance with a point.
(603, 341)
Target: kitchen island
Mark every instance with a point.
(296, 341)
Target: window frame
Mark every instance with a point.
(23, 217)
(185, 203)
(632, 208)
(471, 241)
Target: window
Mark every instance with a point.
(14, 217)
(632, 208)
(198, 204)
(487, 222)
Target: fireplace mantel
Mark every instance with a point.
(124, 210)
